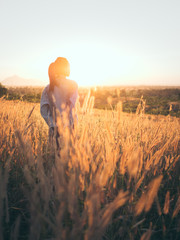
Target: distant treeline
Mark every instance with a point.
(162, 101)
(28, 94)
(157, 101)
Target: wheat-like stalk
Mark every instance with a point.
(110, 164)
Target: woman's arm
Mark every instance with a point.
(46, 114)
(73, 98)
(45, 109)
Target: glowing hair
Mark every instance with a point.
(59, 67)
(62, 66)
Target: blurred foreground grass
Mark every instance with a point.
(115, 177)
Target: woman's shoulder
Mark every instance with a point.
(46, 90)
(72, 85)
(45, 95)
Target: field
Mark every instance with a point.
(116, 176)
(158, 100)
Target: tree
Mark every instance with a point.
(3, 90)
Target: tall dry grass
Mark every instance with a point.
(113, 173)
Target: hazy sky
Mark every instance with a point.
(107, 42)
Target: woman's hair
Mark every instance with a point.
(59, 67)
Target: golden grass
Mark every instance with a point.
(102, 166)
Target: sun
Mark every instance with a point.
(93, 64)
(98, 64)
(86, 68)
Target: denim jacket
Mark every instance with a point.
(51, 102)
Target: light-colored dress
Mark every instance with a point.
(62, 98)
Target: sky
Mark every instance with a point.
(107, 42)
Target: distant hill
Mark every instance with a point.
(16, 81)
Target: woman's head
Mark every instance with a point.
(62, 66)
(59, 68)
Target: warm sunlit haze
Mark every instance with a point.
(100, 159)
(106, 42)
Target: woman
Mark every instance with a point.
(59, 97)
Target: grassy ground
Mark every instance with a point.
(115, 177)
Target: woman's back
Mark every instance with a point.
(65, 94)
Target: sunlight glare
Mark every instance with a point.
(96, 65)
